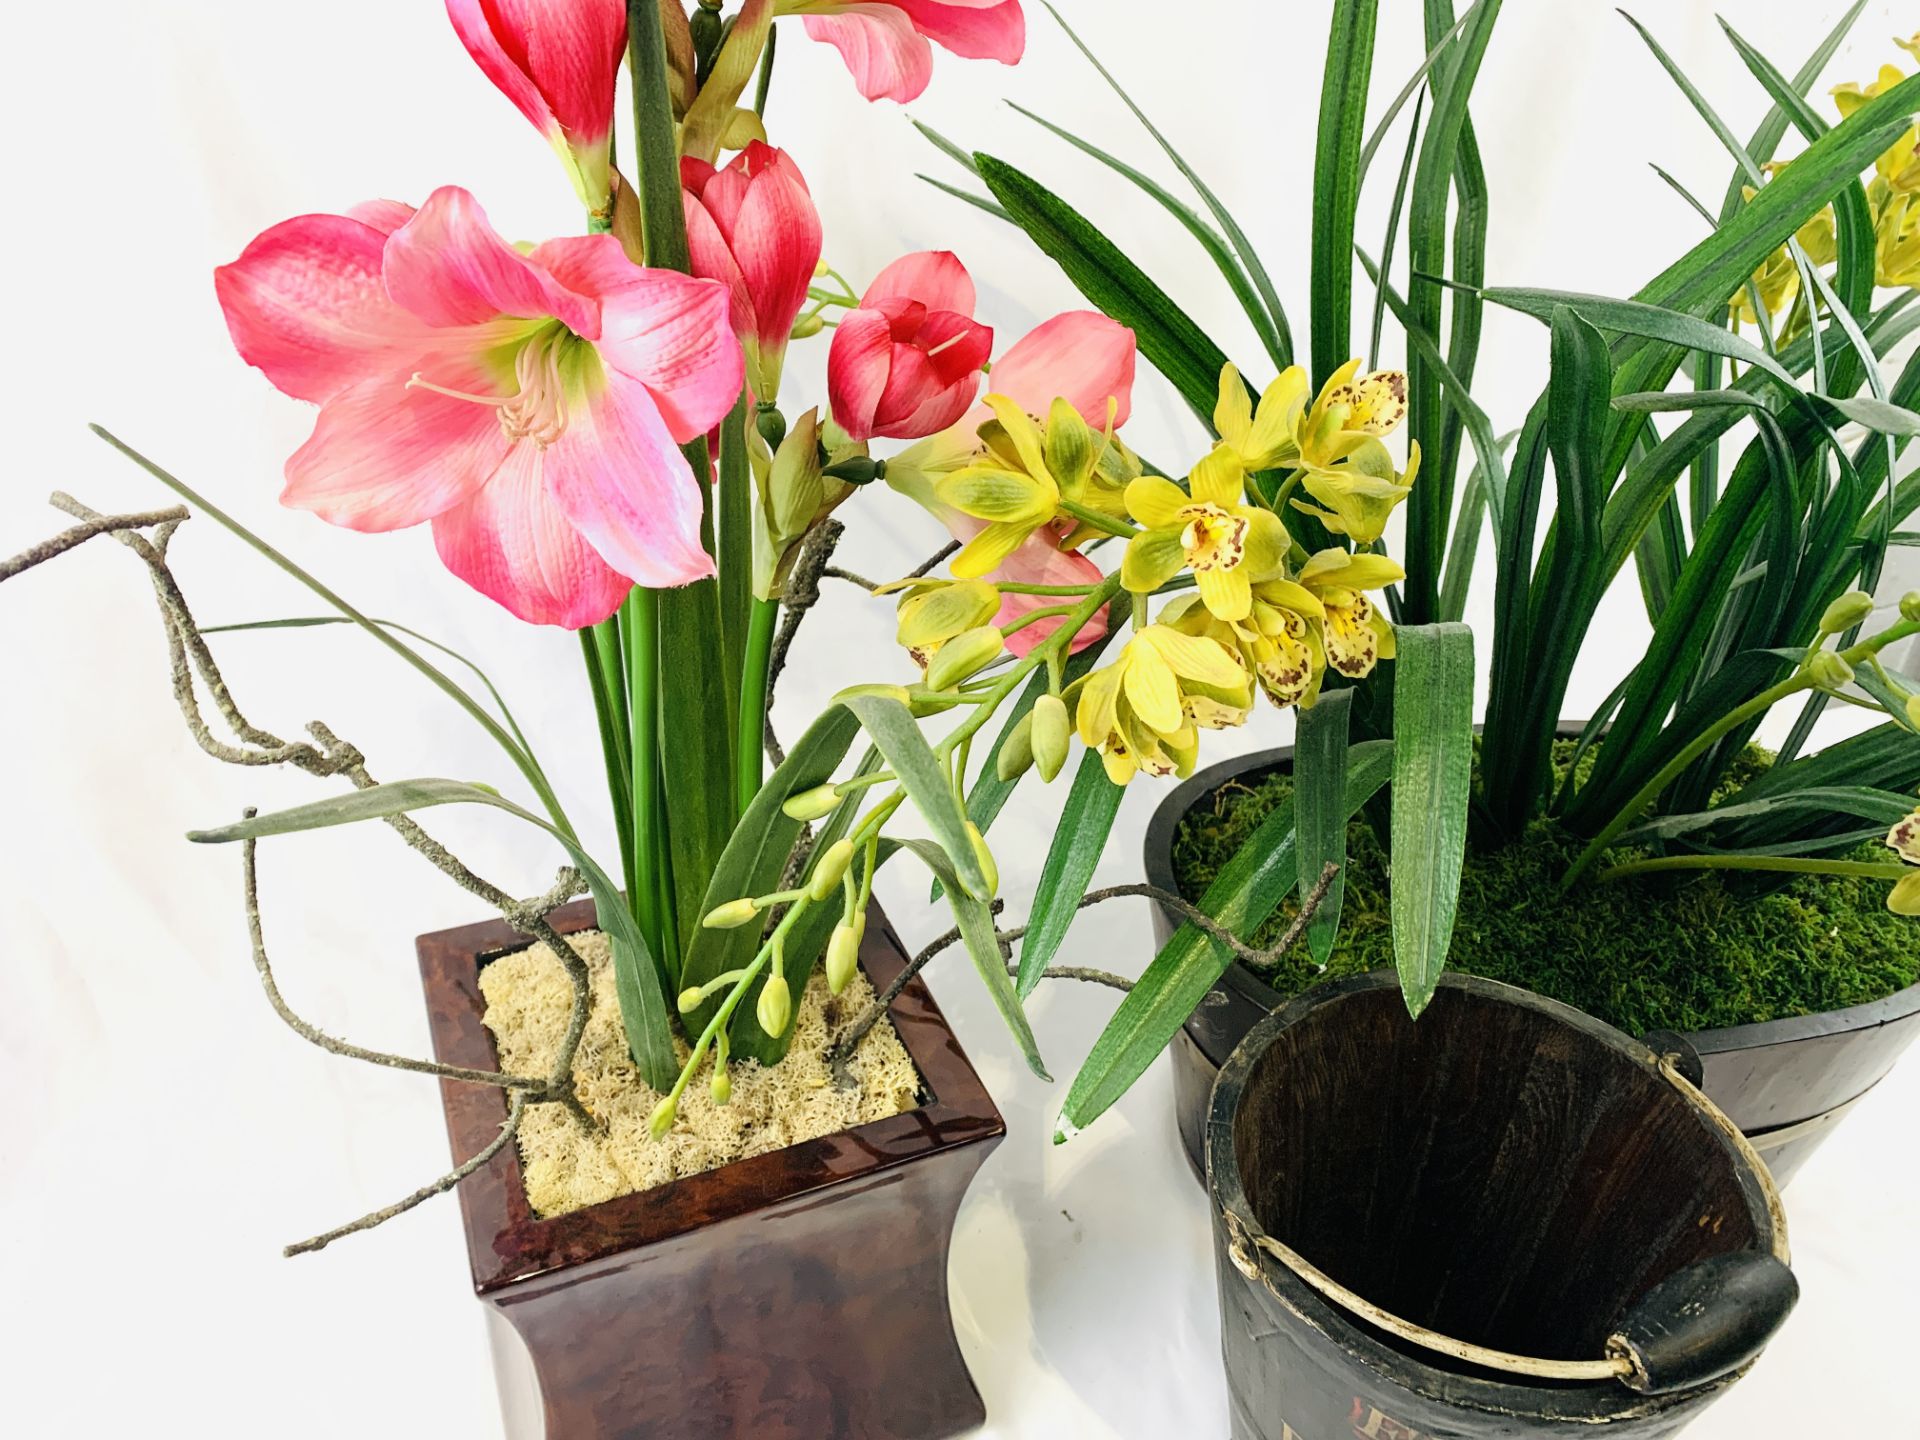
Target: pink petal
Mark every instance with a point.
(1038, 562)
(448, 267)
(725, 193)
(977, 29)
(386, 216)
(776, 240)
(513, 544)
(933, 278)
(305, 303)
(384, 455)
(556, 60)
(695, 174)
(887, 57)
(623, 483)
(666, 330)
(922, 407)
(1080, 355)
(858, 364)
(712, 257)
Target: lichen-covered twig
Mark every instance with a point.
(1246, 954)
(516, 1111)
(799, 594)
(99, 525)
(192, 668)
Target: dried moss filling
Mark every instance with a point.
(1690, 952)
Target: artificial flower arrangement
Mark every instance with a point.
(1758, 533)
(594, 430)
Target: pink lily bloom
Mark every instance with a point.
(557, 61)
(529, 405)
(1088, 360)
(752, 226)
(907, 362)
(885, 43)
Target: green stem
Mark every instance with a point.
(1034, 615)
(612, 720)
(640, 628)
(522, 759)
(1039, 655)
(1019, 587)
(1788, 864)
(1098, 520)
(766, 72)
(761, 620)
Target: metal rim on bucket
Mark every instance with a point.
(1606, 1385)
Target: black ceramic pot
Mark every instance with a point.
(1504, 1221)
(1786, 1083)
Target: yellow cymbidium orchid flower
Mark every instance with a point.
(1351, 409)
(1024, 470)
(1778, 278)
(1897, 165)
(1904, 841)
(1355, 633)
(1360, 492)
(1227, 542)
(1267, 438)
(1278, 646)
(934, 611)
(1896, 241)
(1145, 711)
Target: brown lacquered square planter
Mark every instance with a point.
(800, 1293)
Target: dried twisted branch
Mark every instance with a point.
(844, 1044)
(192, 668)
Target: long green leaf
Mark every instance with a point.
(1176, 346)
(735, 492)
(696, 753)
(975, 921)
(752, 863)
(1336, 179)
(1862, 802)
(639, 982)
(892, 728)
(1249, 257)
(1259, 876)
(1320, 811)
(1644, 321)
(1078, 838)
(1432, 781)
(1210, 239)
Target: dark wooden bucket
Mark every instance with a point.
(1503, 1220)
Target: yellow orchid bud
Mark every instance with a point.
(732, 915)
(1846, 612)
(843, 956)
(806, 327)
(661, 1121)
(1910, 606)
(966, 654)
(1913, 711)
(775, 1007)
(690, 999)
(985, 856)
(721, 1086)
(1829, 671)
(931, 615)
(810, 804)
(922, 704)
(1016, 751)
(1904, 898)
(1052, 730)
(830, 869)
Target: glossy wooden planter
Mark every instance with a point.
(800, 1293)
(1786, 1083)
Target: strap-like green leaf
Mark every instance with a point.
(1176, 346)
(1259, 876)
(1432, 780)
(896, 734)
(638, 980)
(975, 920)
(1336, 179)
(1320, 809)
(1078, 838)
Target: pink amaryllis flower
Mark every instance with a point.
(557, 61)
(752, 226)
(885, 43)
(907, 362)
(529, 405)
(1080, 356)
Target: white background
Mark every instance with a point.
(166, 1135)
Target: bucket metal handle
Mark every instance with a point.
(1708, 1320)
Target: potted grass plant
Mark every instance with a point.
(1734, 433)
(687, 1109)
